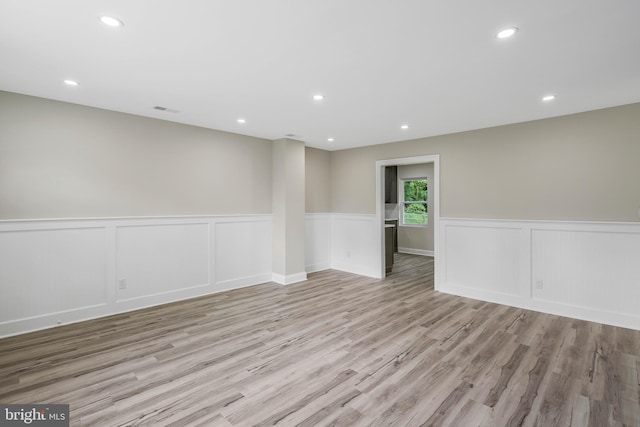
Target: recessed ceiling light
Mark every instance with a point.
(330, 139)
(242, 121)
(318, 97)
(404, 127)
(111, 21)
(507, 32)
(549, 97)
(71, 83)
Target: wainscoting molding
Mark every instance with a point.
(344, 241)
(341, 241)
(583, 270)
(56, 272)
(62, 271)
(317, 241)
(353, 243)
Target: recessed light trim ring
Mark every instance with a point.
(111, 21)
(507, 32)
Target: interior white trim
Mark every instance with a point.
(412, 251)
(584, 270)
(434, 194)
(151, 219)
(314, 268)
(289, 279)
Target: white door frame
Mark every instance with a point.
(434, 215)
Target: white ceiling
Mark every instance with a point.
(434, 65)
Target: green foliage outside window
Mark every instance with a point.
(415, 191)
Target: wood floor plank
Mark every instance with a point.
(470, 414)
(506, 372)
(443, 410)
(336, 350)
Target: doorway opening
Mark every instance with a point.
(434, 212)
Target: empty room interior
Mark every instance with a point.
(320, 213)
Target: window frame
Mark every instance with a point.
(402, 202)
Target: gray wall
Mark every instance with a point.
(60, 160)
(317, 180)
(411, 237)
(580, 167)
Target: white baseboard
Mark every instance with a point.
(411, 251)
(289, 278)
(242, 282)
(359, 269)
(313, 268)
(549, 307)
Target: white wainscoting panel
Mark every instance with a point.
(353, 244)
(52, 271)
(317, 241)
(243, 252)
(483, 257)
(588, 269)
(63, 271)
(158, 259)
(584, 270)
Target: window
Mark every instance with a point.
(414, 202)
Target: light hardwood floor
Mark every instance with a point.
(337, 350)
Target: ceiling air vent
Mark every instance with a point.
(168, 110)
(293, 136)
